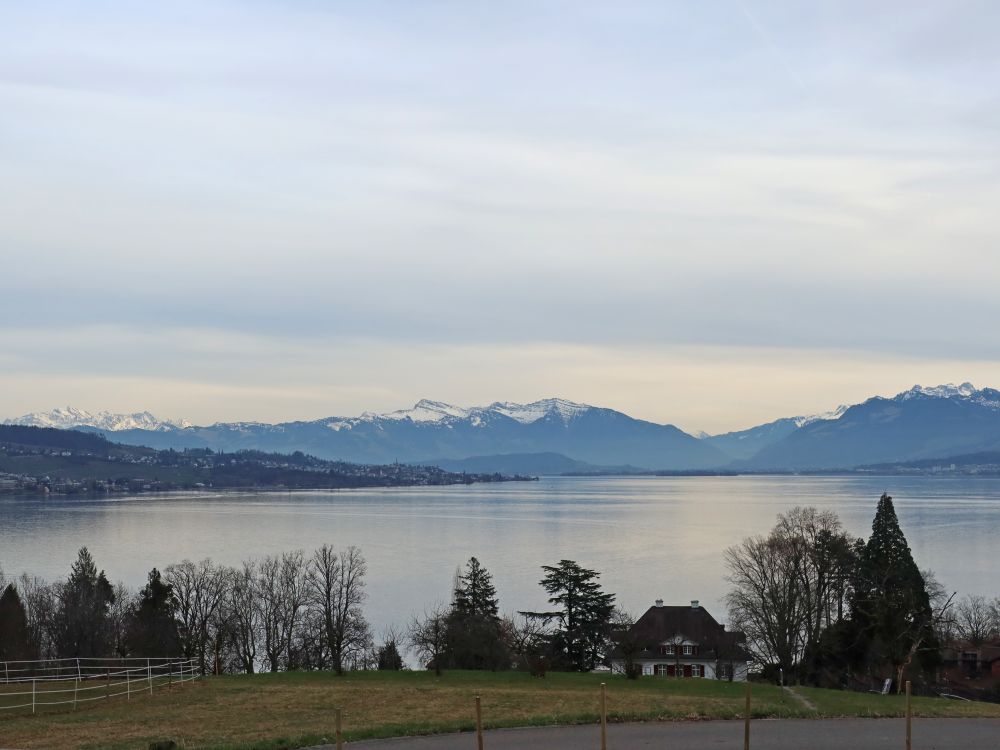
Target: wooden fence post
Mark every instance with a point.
(909, 717)
(604, 716)
(107, 686)
(32, 695)
(746, 720)
(339, 731)
(479, 723)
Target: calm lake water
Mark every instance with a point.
(650, 537)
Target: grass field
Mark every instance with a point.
(266, 712)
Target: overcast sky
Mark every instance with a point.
(711, 214)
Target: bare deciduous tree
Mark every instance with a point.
(39, 600)
(243, 614)
(200, 589)
(766, 599)
(625, 640)
(428, 636)
(336, 585)
(118, 618)
(293, 599)
(975, 620)
(789, 585)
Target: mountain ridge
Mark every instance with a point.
(434, 430)
(918, 423)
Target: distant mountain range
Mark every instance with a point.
(559, 436)
(920, 423)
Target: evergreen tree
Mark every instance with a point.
(14, 642)
(475, 637)
(891, 609)
(153, 627)
(475, 595)
(388, 657)
(583, 619)
(81, 619)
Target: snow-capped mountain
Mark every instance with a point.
(432, 430)
(70, 417)
(426, 410)
(744, 444)
(987, 397)
(832, 414)
(922, 422)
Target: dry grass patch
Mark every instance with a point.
(266, 712)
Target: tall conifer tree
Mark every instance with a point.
(81, 620)
(475, 637)
(891, 605)
(14, 642)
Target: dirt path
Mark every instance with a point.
(803, 700)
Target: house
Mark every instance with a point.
(967, 661)
(681, 641)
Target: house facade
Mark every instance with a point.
(968, 661)
(679, 642)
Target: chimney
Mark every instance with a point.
(694, 604)
(659, 602)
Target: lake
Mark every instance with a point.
(651, 537)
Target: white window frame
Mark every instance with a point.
(688, 649)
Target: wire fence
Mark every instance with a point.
(38, 685)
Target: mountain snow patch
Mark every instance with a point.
(70, 417)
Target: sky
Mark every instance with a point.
(711, 214)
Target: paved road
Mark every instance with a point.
(773, 734)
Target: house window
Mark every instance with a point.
(660, 670)
(696, 670)
(688, 649)
(667, 650)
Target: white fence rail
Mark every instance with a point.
(71, 682)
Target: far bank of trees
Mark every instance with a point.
(293, 611)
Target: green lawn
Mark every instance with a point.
(266, 712)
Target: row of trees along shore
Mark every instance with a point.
(816, 605)
(295, 612)
(281, 612)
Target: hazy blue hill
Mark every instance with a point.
(888, 430)
(53, 439)
(745, 444)
(178, 439)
